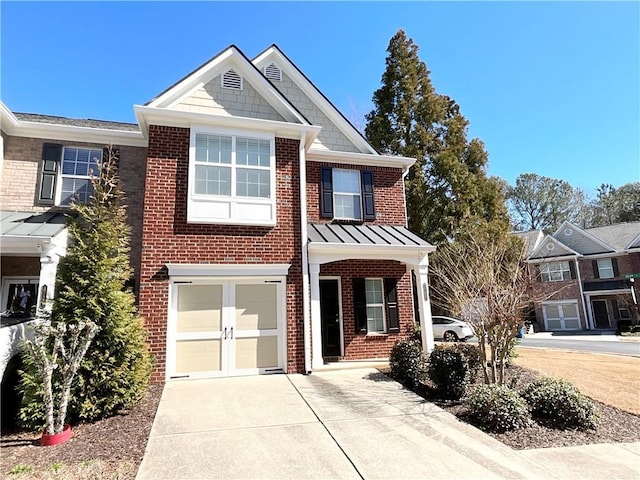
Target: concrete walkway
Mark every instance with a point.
(342, 424)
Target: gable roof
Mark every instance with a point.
(621, 236)
(316, 96)
(550, 247)
(531, 239)
(581, 240)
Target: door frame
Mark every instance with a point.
(340, 316)
(6, 281)
(228, 307)
(593, 312)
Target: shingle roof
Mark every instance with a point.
(28, 224)
(77, 122)
(531, 239)
(345, 234)
(619, 236)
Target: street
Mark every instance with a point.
(619, 347)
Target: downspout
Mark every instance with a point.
(584, 305)
(404, 197)
(306, 318)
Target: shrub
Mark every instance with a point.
(497, 408)
(449, 370)
(407, 362)
(561, 402)
(471, 353)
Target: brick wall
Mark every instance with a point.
(361, 346)
(20, 266)
(625, 266)
(20, 170)
(167, 238)
(388, 193)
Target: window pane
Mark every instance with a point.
(253, 152)
(605, 268)
(347, 206)
(78, 189)
(375, 319)
(213, 180)
(572, 323)
(553, 311)
(554, 324)
(252, 183)
(570, 310)
(373, 288)
(346, 181)
(213, 148)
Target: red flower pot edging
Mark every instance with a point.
(56, 438)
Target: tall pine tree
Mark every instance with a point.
(91, 285)
(448, 185)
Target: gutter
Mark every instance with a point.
(306, 293)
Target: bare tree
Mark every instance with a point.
(482, 278)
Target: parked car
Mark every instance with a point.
(451, 329)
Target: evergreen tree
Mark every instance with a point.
(616, 205)
(448, 184)
(90, 285)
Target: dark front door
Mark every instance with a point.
(330, 318)
(601, 313)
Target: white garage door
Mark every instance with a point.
(561, 316)
(225, 328)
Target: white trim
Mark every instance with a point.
(330, 252)
(586, 313)
(340, 313)
(312, 92)
(557, 243)
(636, 239)
(228, 270)
(561, 319)
(304, 241)
(11, 125)
(365, 159)
(176, 118)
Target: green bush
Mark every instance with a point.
(559, 401)
(449, 370)
(471, 353)
(407, 363)
(497, 408)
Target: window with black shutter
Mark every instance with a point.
(51, 156)
(347, 194)
(375, 303)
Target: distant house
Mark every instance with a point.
(585, 276)
(268, 234)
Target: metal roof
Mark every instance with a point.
(29, 224)
(347, 234)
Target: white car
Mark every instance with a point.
(451, 329)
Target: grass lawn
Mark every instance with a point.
(611, 379)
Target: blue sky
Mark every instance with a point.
(550, 87)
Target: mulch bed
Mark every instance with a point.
(118, 439)
(614, 426)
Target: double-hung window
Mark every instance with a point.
(555, 271)
(66, 172)
(346, 194)
(604, 268)
(232, 179)
(375, 302)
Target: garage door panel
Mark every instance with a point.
(257, 352)
(199, 308)
(256, 307)
(198, 355)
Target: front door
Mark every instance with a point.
(600, 313)
(330, 318)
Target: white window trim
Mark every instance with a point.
(546, 276)
(60, 176)
(384, 330)
(606, 268)
(359, 194)
(231, 205)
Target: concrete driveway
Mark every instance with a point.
(344, 424)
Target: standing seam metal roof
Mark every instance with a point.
(29, 224)
(348, 234)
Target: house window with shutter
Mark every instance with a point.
(603, 268)
(346, 194)
(555, 271)
(66, 174)
(375, 305)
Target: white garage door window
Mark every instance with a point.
(224, 328)
(561, 316)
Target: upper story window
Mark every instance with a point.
(66, 174)
(346, 194)
(555, 271)
(605, 268)
(232, 179)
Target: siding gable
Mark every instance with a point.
(550, 248)
(574, 238)
(211, 98)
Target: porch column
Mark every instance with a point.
(316, 330)
(424, 306)
(50, 255)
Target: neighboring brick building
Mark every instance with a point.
(268, 235)
(585, 277)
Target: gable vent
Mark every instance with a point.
(273, 72)
(231, 79)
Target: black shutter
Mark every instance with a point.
(51, 156)
(572, 270)
(614, 263)
(367, 195)
(596, 272)
(326, 192)
(391, 304)
(360, 305)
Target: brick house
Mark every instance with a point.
(584, 277)
(268, 235)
